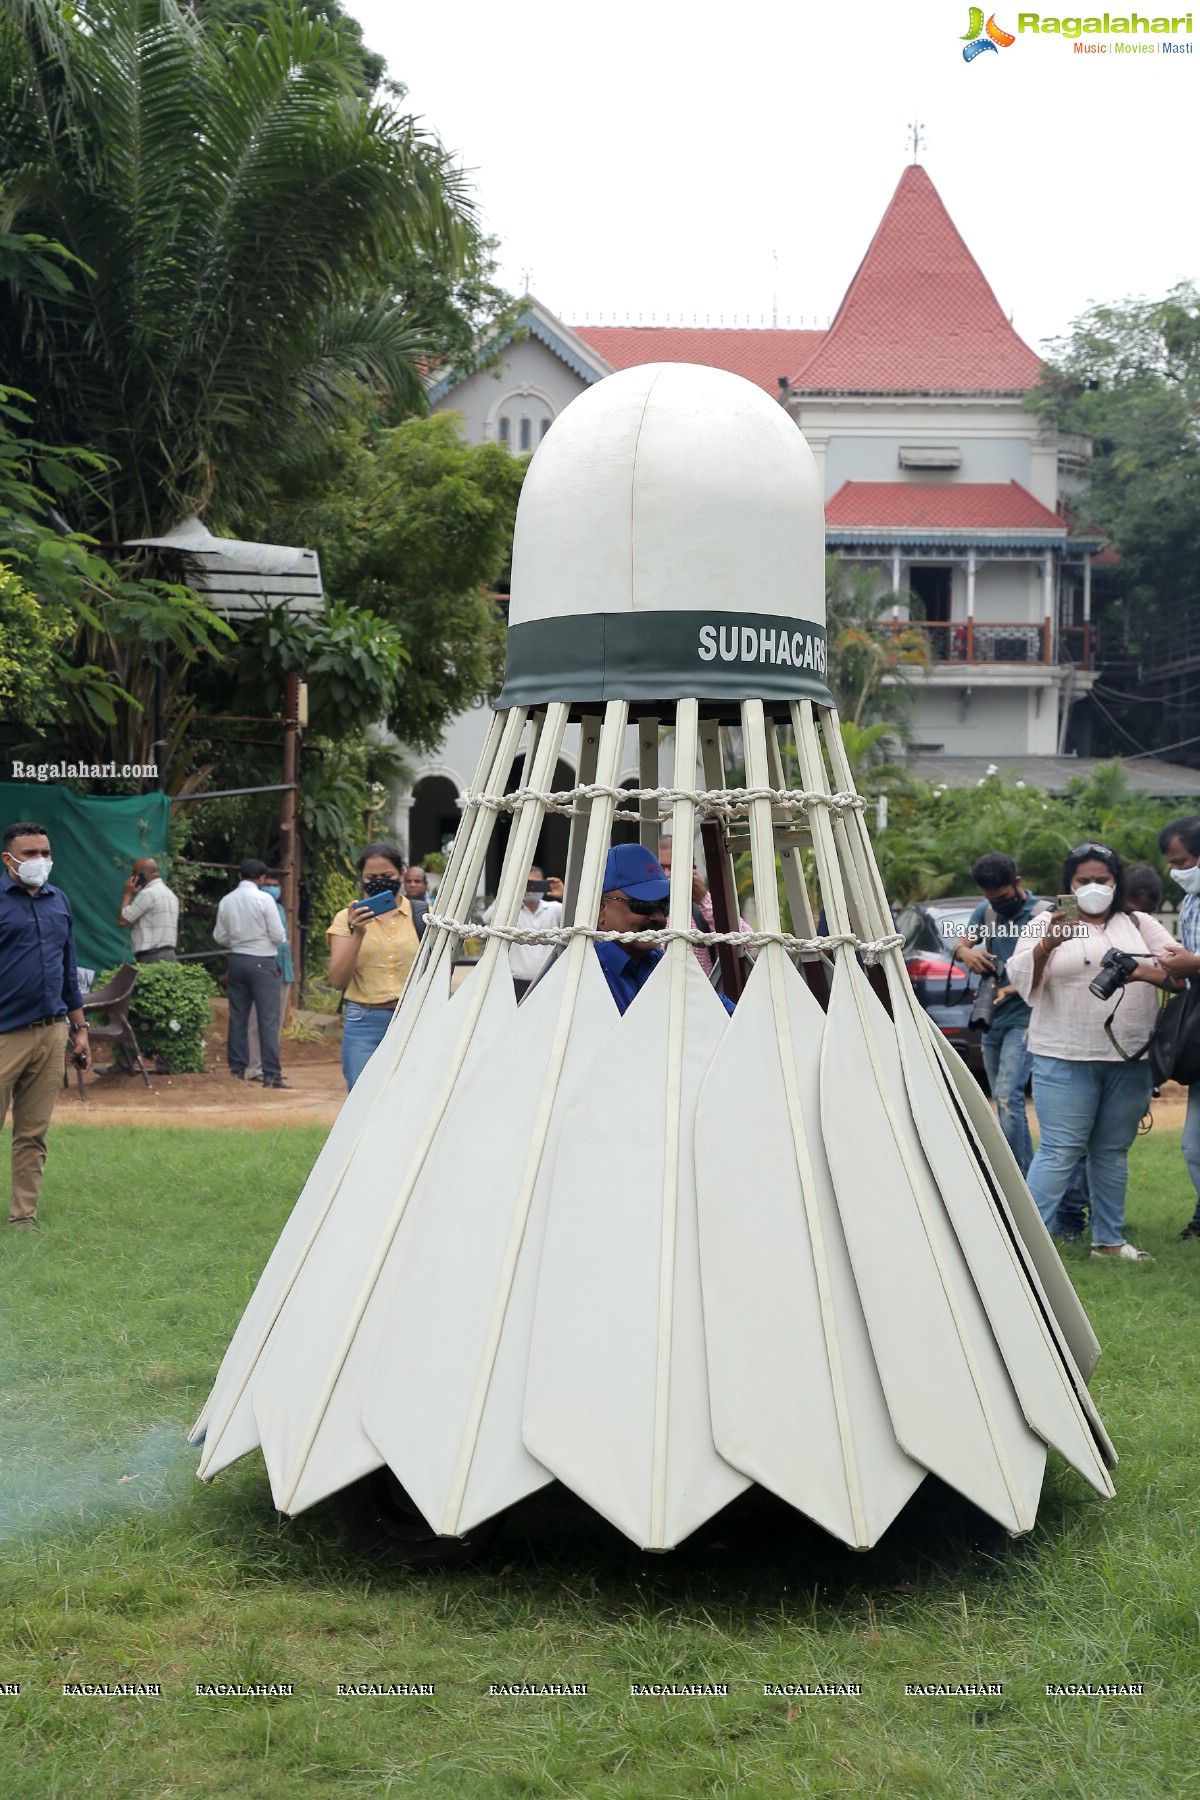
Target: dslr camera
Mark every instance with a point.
(1115, 969)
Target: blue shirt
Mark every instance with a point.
(38, 977)
(627, 975)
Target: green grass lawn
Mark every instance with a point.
(117, 1565)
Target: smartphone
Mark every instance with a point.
(1067, 904)
(536, 887)
(379, 903)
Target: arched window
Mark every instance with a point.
(526, 434)
(546, 424)
(506, 431)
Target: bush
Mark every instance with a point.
(170, 1010)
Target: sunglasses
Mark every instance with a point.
(1100, 850)
(645, 909)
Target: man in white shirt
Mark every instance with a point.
(150, 913)
(542, 908)
(249, 927)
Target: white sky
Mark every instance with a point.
(652, 158)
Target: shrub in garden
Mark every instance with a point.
(170, 1009)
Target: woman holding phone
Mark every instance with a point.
(1089, 1096)
(372, 946)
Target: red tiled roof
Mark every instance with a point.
(956, 506)
(919, 316)
(759, 356)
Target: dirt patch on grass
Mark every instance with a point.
(215, 1099)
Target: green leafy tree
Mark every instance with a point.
(1128, 377)
(73, 628)
(241, 210)
(31, 639)
(414, 527)
(228, 15)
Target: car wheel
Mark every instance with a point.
(378, 1519)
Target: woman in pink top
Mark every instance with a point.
(1089, 1097)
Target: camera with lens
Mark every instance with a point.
(1115, 969)
(983, 1006)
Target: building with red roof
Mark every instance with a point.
(765, 357)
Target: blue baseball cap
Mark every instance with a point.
(636, 873)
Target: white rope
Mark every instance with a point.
(720, 801)
(870, 949)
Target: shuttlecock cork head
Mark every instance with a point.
(670, 543)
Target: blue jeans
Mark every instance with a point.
(1092, 1109)
(1191, 1141)
(1007, 1061)
(363, 1030)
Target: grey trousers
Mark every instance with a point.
(254, 982)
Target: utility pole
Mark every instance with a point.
(289, 822)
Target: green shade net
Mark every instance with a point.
(94, 843)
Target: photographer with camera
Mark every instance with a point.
(1085, 969)
(372, 946)
(1180, 844)
(994, 930)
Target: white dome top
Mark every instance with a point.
(670, 487)
(670, 490)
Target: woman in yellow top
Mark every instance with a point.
(370, 954)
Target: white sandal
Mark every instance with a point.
(1120, 1253)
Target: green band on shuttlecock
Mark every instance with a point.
(665, 656)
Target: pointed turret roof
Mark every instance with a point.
(919, 316)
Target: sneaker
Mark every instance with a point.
(30, 1224)
(281, 1083)
(1120, 1253)
(1190, 1230)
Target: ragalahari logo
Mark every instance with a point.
(975, 43)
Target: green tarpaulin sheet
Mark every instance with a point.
(94, 842)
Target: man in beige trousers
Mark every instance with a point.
(40, 1002)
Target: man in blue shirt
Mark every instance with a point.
(636, 892)
(996, 924)
(39, 997)
(1180, 844)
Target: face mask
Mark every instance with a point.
(274, 892)
(1094, 897)
(382, 884)
(1188, 879)
(34, 870)
(1008, 909)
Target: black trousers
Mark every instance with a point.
(254, 982)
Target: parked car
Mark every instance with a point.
(945, 989)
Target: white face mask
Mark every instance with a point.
(1095, 897)
(1188, 879)
(34, 870)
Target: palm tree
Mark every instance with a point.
(871, 660)
(240, 213)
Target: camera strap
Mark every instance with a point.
(1130, 1055)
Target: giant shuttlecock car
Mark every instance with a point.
(661, 1255)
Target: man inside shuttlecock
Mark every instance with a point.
(636, 892)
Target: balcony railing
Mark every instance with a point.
(967, 641)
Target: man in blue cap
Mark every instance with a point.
(635, 896)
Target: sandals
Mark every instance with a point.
(1120, 1253)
